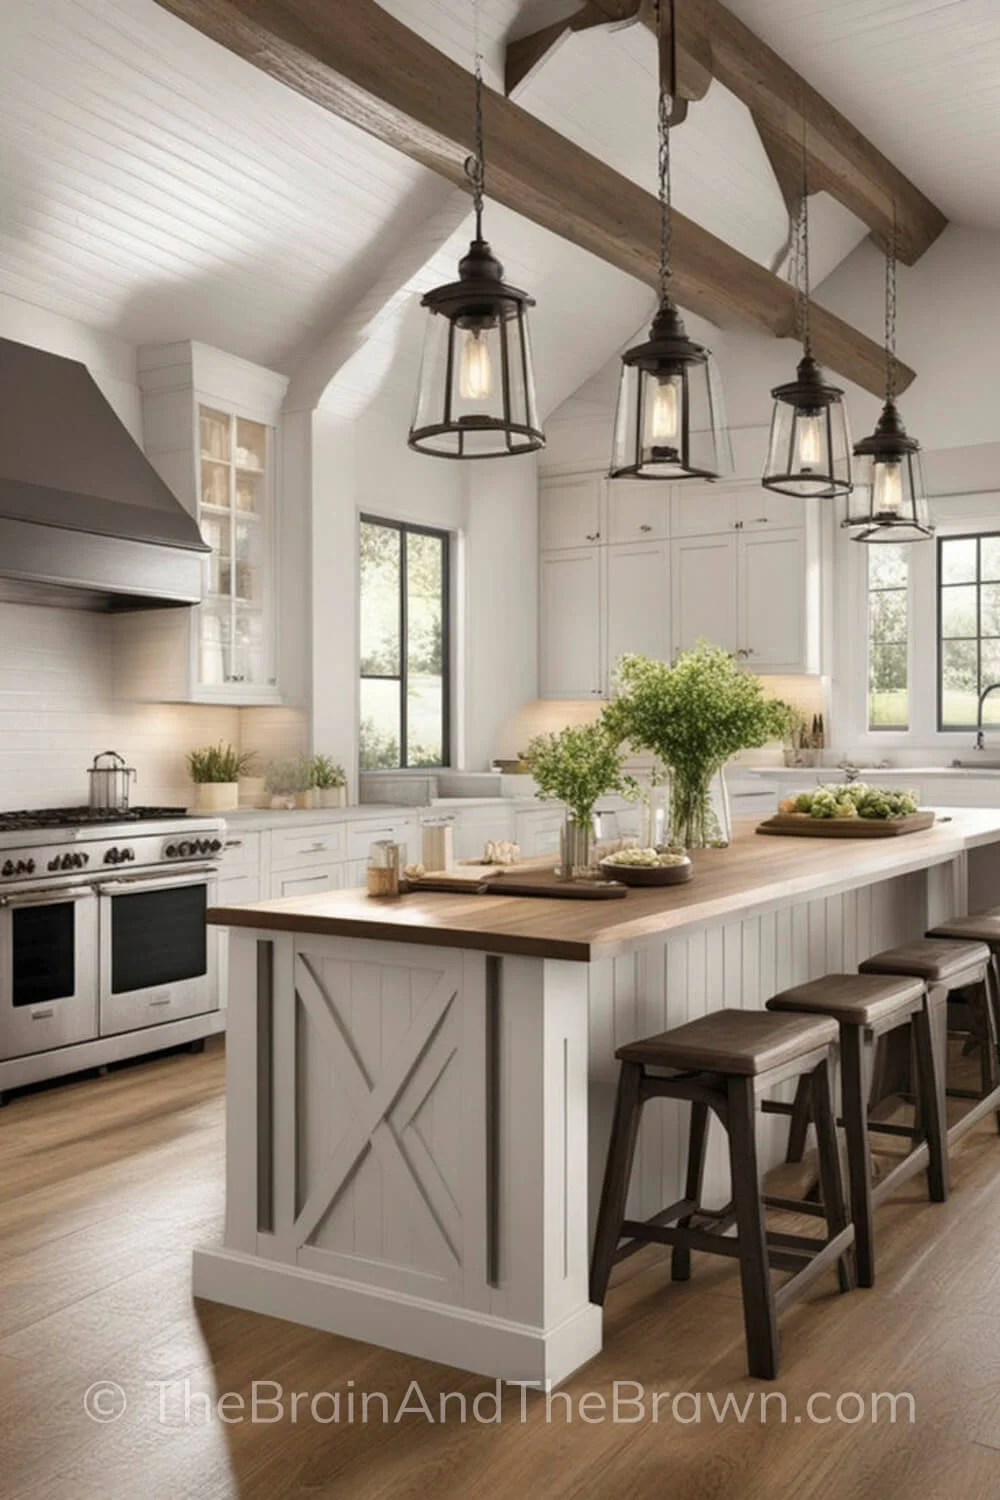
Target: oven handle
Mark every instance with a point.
(49, 895)
(193, 876)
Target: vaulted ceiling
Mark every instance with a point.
(155, 186)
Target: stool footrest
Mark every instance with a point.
(795, 1205)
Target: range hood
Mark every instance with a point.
(85, 519)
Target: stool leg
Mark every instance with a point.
(830, 1183)
(991, 1066)
(617, 1172)
(680, 1260)
(853, 1058)
(930, 1088)
(759, 1316)
(799, 1126)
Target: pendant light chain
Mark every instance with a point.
(890, 311)
(666, 105)
(475, 165)
(802, 251)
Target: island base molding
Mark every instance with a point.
(452, 1336)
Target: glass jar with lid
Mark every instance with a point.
(383, 868)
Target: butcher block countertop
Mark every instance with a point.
(752, 873)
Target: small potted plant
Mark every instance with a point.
(216, 771)
(329, 781)
(578, 766)
(287, 783)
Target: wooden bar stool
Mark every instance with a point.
(866, 1007)
(723, 1062)
(949, 965)
(983, 1029)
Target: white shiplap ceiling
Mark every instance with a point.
(920, 78)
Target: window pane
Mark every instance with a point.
(989, 609)
(888, 616)
(958, 560)
(959, 683)
(379, 737)
(380, 601)
(425, 721)
(990, 673)
(989, 557)
(888, 697)
(888, 567)
(425, 649)
(958, 612)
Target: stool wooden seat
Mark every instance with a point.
(983, 1029)
(977, 927)
(866, 1007)
(948, 965)
(724, 1061)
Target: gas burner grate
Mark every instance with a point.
(75, 817)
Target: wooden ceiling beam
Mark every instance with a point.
(712, 42)
(352, 58)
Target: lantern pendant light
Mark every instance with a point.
(809, 452)
(476, 397)
(669, 423)
(892, 480)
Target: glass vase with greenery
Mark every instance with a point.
(693, 715)
(578, 766)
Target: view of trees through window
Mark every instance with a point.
(888, 619)
(404, 646)
(969, 617)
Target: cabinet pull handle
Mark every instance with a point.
(43, 1015)
(234, 843)
(644, 527)
(593, 536)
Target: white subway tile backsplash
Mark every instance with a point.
(58, 710)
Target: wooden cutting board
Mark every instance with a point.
(801, 825)
(523, 883)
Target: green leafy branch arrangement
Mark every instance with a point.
(219, 762)
(578, 766)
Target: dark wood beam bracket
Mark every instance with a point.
(352, 58)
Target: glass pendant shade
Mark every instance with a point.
(669, 423)
(810, 447)
(891, 481)
(476, 397)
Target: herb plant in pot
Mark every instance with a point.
(693, 715)
(329, 781)
(216, 771)
(578, 766)
(287, 783)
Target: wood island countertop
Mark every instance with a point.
(754, 872)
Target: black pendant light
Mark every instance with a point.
(669, 422)
(476, 397)
(809, 452)
(890, 477)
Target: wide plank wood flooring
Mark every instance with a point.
(106, 1184)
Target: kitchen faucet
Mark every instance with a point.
(980, 738)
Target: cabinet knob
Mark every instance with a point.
(593, 536)
(644, 527)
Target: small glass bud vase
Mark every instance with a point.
(576, 841)
(699, 810)
(654, 829)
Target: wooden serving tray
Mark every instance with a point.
(523, 883)
(801, 825)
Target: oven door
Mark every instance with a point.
(48, 969)
(159, 958)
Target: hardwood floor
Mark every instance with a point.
(107, 1184)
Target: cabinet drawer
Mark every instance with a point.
(240, 851)
(638, 512)
(312, 881)
(307, 846)
(237, 889)
(361, 836)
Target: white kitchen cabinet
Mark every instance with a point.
(537, 830)
(757, 508)
(311, 880)
(702, 510)
(637, 512)
(210, 423)
(776, 633)
(638, 601)
(570, 600)
(704, 580)
(570, 510)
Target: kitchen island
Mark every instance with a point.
(419, 1089)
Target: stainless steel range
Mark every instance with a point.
(104, 949)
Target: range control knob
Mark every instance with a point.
(25, 867)
(215, 846)
(128, 854)
(184, 850)
(112, 857)
(8, 868)
(54, 863)
(171, 851)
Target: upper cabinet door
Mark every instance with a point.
(570, 512)
(776, 626)
(638, 511)
(758, 508)
(704, 584)
(638, 601)
(702, 510)
(570, 623)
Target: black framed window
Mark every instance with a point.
(405, 646)
(968, 628)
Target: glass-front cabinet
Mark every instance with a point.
(235, 645)
(211, 428)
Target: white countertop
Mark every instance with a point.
(259, 819)
(868, 773)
